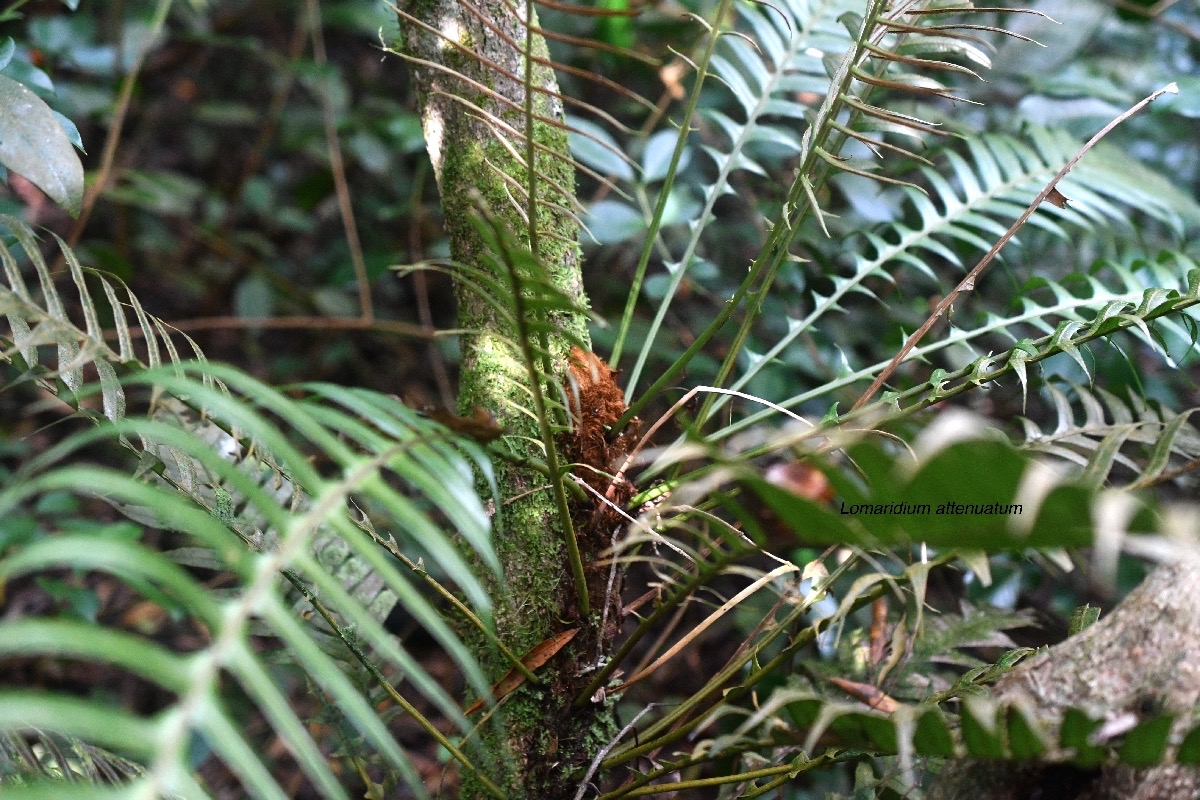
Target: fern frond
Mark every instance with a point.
(1159, 306)
(48, 757)
(1142, 296)
(784, 58)
(408, 479)
(984, 194)
(529, 307)
(986, 730)
(388, 471)
(1143, 437)
(39, 321)
(875, 51)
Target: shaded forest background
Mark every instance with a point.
(220, 207)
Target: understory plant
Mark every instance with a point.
(731, 503)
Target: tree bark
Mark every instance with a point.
(1143, 659)
(469, 70)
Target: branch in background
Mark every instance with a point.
(304, 323)
(1140, 661)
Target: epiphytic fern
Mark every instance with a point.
(879, 55)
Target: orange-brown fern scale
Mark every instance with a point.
(596, 403)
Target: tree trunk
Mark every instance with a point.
(469, 71)
(1143, 659)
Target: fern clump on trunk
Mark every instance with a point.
(492, 121)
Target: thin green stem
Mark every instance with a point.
(787, 770)
(930, 394)
(825, 759)
(690, 713)
(529, 358)
(531, 197)
(688, 762)
(704, 572)
(681, 363)
(639, 275)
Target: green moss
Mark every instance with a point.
(537, 597)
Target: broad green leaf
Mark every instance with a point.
(1189, 750)
(34, 145)
(933, 736)
(1025, 739)
(1144, 745)
(1076, 731)
(979, 730)
(966, 496)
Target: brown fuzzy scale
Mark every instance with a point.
(596, 403)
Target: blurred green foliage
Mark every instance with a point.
(221, 200)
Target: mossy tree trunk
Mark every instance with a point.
(469, 73)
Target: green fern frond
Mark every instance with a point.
(1151, 314)
(374, 442)
(1107, 189)
(385, 465)
(875, 51)
(40, 321)
(529, 308)
(1143, 437)
(985, 729)
(784, 57)
(48, 757)
(1143, 295)
(224, 449)
(944, 638)
(982, 196)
